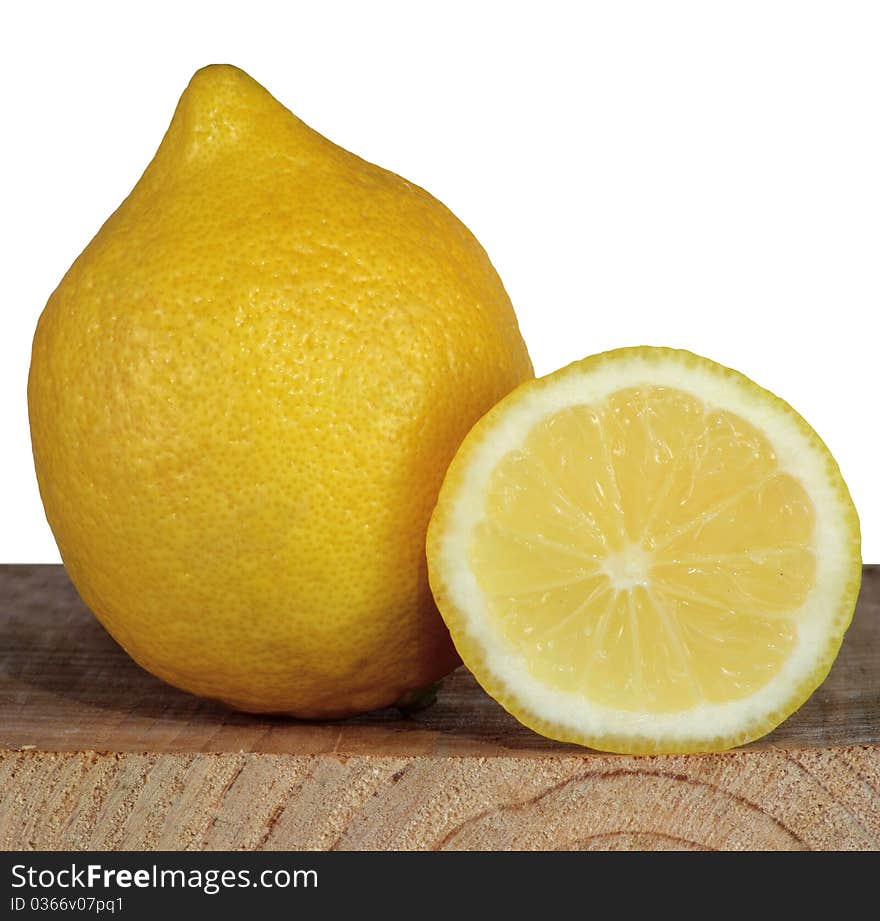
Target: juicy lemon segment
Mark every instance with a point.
(646, 552)
(620, 540)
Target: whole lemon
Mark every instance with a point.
(243, 398)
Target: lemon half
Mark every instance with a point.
(646, 552)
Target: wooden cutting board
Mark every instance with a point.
(96, 753)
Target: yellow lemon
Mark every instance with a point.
(243, 397)
(646, 552)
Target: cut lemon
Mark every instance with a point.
(646, 552)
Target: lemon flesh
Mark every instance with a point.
(646, 552)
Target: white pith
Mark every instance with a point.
(627, 568)
(798, 455)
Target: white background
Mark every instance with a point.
(704, 174)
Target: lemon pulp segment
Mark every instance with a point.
(646, 551)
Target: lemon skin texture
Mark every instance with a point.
(243, 398)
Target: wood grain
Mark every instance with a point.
(96, 753)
